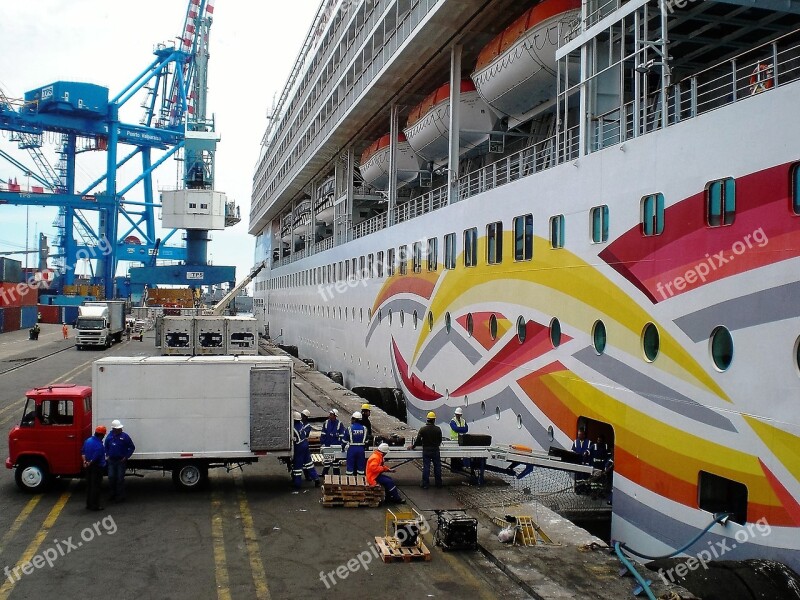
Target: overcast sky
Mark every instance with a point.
(253, 46)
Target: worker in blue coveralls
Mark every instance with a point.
(355, 441)
(93, 454)
(308, 461)
(583, 448)
(301, 456)
(119, 448)
(332, 433)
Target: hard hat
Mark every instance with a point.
(333, 411)
(115, 424)
(357, 415)
(459, 411)
(306, 412)
(384, 447)
(366, 406)
(100, 429)
(296, 416)
(431, 415)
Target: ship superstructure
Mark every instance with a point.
(558, 214)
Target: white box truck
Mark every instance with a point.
(184, 414)
(100, 323)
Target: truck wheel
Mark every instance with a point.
(108, 342)
(32, 476)
(77, 347)
(191, 476)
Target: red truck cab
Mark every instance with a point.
(48, 440)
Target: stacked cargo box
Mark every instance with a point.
(17, 299)
(207, 335)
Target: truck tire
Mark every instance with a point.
(32, 476)
(77, 347)
(108, 342)
(191, 476)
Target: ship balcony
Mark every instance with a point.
(232, 214)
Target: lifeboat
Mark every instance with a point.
(516, 71)
(324, 205)
(375, 162)
(428, 125)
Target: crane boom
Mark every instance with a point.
(220, 306)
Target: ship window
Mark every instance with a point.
(447, 323)
(402, 318)
(493, 326)
(362, 273)
(522, 331)
(721, 202)
(796, 189)
(471, 247)
(417, 257)
(433, 254)
(557, 231)
(599, 337)
(599, 215)
(653, 214)
(390, 262)
(347, 270)
(450, 251)
(369, 314)
(650, 342)
(721, 348)
(721, 495)
(415, 319)
(470, 324)
(370, 265)
(402, 257)
(523, 237)
(555, 332)
(380, 264)
(519, 421)
(430, 321)
(494, 243)
(497, 412)
(354, 269)
(390, 316)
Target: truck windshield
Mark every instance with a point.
(86, 323)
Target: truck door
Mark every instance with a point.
(270, 408)
(59, 435)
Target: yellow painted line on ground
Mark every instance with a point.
(30, 551)
(23, 515)
(251, 541)
(218, 541)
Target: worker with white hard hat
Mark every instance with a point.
(430, 438)
(332, 433)
(119, 448)
(458, 427)
(355, 440)
(376, 474)
(301, 454)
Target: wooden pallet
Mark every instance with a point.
(350, 491)
(390, 553)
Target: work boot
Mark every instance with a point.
(317, 483)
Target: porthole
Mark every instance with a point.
(650, 342)
(721, 348)
(493, 326)
(430, 321)
(466, 401)
(369, 314)
(361, 314)
(555, 332)
(390, 316)
(522, 330)
(447, 394)
(797, 354)
(402, 318)
(519, 421)
(354, 313)
(497, 413)
(551, 435)
(483, 407)
(380, 315)
(599, 337)
(415, 319)
(470, 324)
(447, 323)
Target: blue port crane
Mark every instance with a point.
(85, 119)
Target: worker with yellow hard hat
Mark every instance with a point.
(430, 438)
(365, 410)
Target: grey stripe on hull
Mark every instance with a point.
(506, 400)
(677, 533)
(766, 306)
(658, 393)
(440, 340)
(404, 304)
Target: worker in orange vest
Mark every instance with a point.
(376, 474)
(64, 330)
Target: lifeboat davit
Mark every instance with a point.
(375, 162)
(516, 71)
(428, 125)
(323, 208)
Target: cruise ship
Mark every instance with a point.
(558, 214)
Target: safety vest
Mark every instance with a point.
(460, 422)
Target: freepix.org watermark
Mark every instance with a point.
(363, 559)
(713, 262)
(716, 550)
(61, 548)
